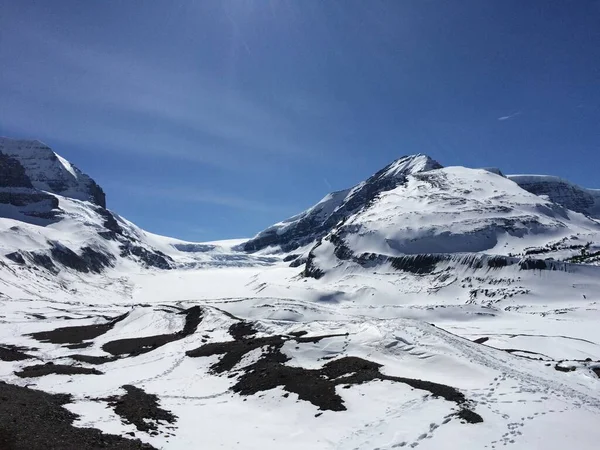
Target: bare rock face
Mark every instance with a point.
(562, 192)
(30, 163)
(12, 173)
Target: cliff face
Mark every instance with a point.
(562, 192)
(32, 164)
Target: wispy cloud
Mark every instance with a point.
(510, 116)
(191, 195)
(140, 106)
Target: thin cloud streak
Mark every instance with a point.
(189, 195)
(510, 116)
(117, 89)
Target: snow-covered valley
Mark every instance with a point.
(426, 307)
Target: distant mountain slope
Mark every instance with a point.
(53, 218)
(48, 171)
(318, 220)
(451, 210)
(563, 192)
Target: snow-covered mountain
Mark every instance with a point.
(315, 222)
(447, 211)
(426, 307)
(562, 192)
(37, 166)
(53, 218)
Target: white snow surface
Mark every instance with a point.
(416, 325)
(347, 201)
(562, 191)
(456, 209)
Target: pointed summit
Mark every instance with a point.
(315, 222)
(48, 171)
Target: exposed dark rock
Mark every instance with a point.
(47, 172)
(34, 420)
(310, 268)
(565, 369)
(78, 346)
(497, 262)
(469, 416)
(561, 192)
(96, 260)
(341, 250)
(77, 334)
(43, 260)
(12, 173)
(298, 262)
(481, 340)
(290, 257)
(533, 264)
(110, 223)
(13, 353)
(16, 257)
(317, 386)
(138, 346)
(40, 370)
(140, 409)
(17, 198)
(96, 360)
(234, 351)
(418, 264)
(97, 195)
(68, 258)
(240, 330)
(38, 316)
(152, 258)
(596, 370)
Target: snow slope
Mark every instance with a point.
(305, 228)
(426, 314)
(50, 172)
(563, 192)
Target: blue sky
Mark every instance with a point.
(213, 119)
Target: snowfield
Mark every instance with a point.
(427, 307)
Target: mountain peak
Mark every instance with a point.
(320, 219)
(411, 164)
(48, 171)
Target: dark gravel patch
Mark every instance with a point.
(317, 386)
(78, 346)
(38, 316)
(469, 416)
(140, 409)
(240, 330)
(77, 334)
(138, 346)
(34, 420)
(234, 351)
(13, 353)
(93, 359)
(565, 369)
(40, 370)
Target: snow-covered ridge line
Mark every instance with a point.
(48, 171)
(307, 227)
(562, 192)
